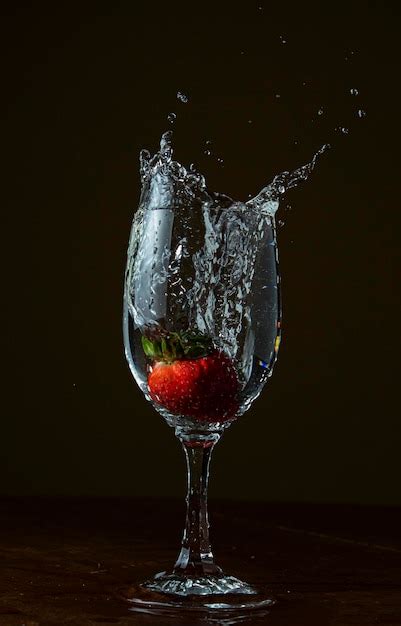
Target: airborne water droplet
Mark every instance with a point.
(320, 112)
(207, 152)
(354, 92)
(171, 117)
(343, 130)
(182, 97)
(361, 113)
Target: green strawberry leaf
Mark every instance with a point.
(192, 352)
(172, 346)
(151, 348)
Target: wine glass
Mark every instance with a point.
(201, 334)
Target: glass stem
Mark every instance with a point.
(196, 557)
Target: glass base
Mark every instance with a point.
(179, 585)
(167, 594)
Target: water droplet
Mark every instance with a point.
(260, 8)
(304, 84)
(208, 142)
(249, 121)
(320, 112)
(242, 52)
(354, 92)
(282, 39)
(278, 95)
(281, 189)
(343, 130)
(280, 223)
(220, 160)
(207, 152)
(361, 113)
(296, 142)
(171, 117)
(181, 96)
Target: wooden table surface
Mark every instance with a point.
(66, 561)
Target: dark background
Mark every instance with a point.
(85, 88)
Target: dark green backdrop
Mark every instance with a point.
(86, 89)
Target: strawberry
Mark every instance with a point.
(189, 377)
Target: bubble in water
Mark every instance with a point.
(361, 113)
(182, 97)
(320, 112)
(171, 117)
(354, 92)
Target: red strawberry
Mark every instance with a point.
(203, 387)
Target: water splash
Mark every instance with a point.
(209, 281)
(161, 172)
(268, 198)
